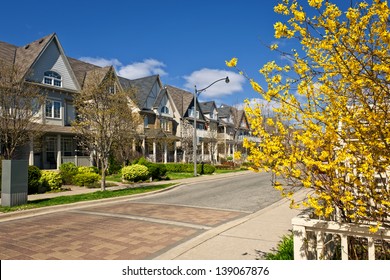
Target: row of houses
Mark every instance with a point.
(167, 112)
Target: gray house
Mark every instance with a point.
(43, 62)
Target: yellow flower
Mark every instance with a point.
(232, 62)
(256, 86)
(274, 47)
(315, 3)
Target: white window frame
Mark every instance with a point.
(52, 114)
(52, 78)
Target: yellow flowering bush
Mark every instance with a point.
(330, 130)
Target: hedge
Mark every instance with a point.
(189, 168)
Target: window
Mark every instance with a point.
(164, 110)
(191, 113)
(67, 146)
(164, 124)
(52, 78)
(53, 109)
(146, 121)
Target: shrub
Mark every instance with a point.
(86, 179)
(180, 167)
(135, 172)
(208, 169)
(284, 250)
(156, 170)
(68, 171)
(87, 169)
(51, 180)
(34, 175)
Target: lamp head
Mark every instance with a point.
(227, 80)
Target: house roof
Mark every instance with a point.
(182, 99)
(207, 107)
(80, 69)
(7, 52)
(24, 57)
(141, 86)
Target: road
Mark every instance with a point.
(247, 192)
(141, 228)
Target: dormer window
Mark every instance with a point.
(52, 78)
(164, 110)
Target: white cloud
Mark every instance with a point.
(135, 70)
(145, 68)
(204, 77)
(259, 101)
(102, 62)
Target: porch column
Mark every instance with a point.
(216, 152)
(59, 151)
(165, 152)
(133, 146)
(31, 155)
(202, 153)
(234, 150)
(184, 156)
(174, 152)
(225, 146)
(143, 147)
(154, 150)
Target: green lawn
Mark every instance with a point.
(83, 197)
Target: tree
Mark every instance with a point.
(187, 140)
(20, 104)
(105, 115)
(334, 97)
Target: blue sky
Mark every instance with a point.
(186, 42)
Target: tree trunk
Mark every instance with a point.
(103, 168)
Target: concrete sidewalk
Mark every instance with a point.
(243, 239)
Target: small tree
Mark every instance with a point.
(20, 104)
(330, 130)
(187, 140)
(105, 114)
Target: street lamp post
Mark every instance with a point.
(196, 94)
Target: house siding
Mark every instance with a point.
(51, 59)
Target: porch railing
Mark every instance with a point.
(318, 239)
(78, 160)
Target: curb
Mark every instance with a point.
(65, 207)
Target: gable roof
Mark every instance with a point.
(207, 107)
(23, 57)
(142, 88)
(181, 98)
(28, 54)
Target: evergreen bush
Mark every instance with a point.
(34, 175)
(135, 173)
(68, 171)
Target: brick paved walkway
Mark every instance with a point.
(110, 232)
